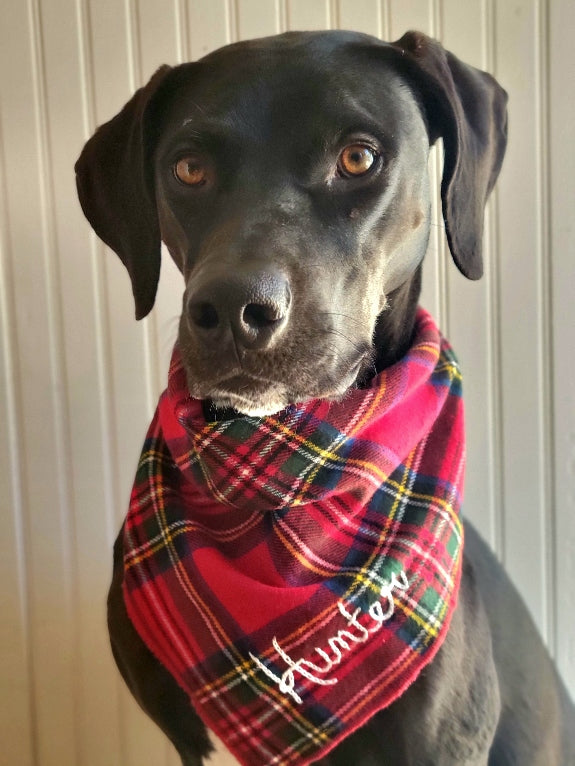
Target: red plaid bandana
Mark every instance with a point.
(295, 573)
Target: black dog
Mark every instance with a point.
(288, 178)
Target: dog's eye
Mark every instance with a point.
(356, 160)
(190, 171)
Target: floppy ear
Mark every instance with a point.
(467, 108)
(116, 193)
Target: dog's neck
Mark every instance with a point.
(395, 325)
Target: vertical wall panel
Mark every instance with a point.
(159, 33)
(15, 666)
(466, 31)
(309, 14)
(255, 19)
(361, 15)
(417, 14)
(79, 377)
(210, 25)
(522, 308)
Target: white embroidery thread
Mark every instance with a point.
(342, 641)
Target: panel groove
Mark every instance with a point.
(546, 363)
(182, 36)
(486, 62)
(436, 19)
(436, 30)
(233, 16)
(385, 16)
(148, 325)
(333, 14)
(283, 15)
(494, 326)
(486, 41)
(134, 56)
(494, 420)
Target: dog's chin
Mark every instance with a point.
(241, 392)
(255, 409)
(269, 401)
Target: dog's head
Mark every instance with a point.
(288, 178)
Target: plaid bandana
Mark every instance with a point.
(295, 573)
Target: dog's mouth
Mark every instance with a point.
(254, 395)
(249, 395)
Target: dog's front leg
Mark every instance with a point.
(153, 687)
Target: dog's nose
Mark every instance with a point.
(254, 307)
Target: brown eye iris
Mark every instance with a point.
(356, 159)
(190, 172)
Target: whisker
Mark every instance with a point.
(333, 331)
(341, 314)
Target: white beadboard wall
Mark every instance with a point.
(79, 378)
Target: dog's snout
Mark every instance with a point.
(253, 308)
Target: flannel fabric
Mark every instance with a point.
(295, 573)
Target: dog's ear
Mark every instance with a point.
(115, 187)
(467, 108)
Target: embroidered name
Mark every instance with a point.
(380, 611)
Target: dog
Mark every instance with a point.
(288, 178)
